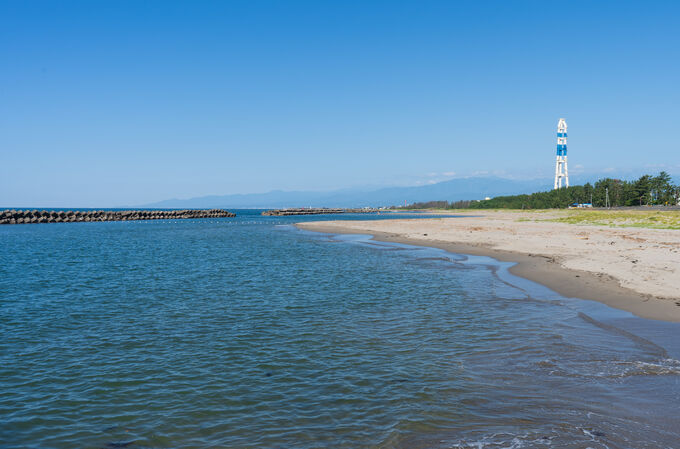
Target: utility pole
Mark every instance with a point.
(606, 198)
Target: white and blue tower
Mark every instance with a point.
(561, 172)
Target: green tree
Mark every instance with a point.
(662, 189)
(641, 192)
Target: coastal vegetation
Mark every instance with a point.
(609, 192)
(621, 218)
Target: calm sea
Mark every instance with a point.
(249, 333)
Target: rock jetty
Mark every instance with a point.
(316, 211)
(63, 216)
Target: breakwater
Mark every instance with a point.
(316, 211)
(60, 216)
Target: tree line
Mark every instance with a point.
(608, 192)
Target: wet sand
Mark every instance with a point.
(637, 270)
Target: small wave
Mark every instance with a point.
(666, 367)
(577, 437)
(649, 346)
(612, 369)
(440, 259)
(505, 441)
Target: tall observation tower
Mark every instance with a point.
(561, 171)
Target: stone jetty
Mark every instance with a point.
(316, 211)
(63, 216)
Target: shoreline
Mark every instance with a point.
(542, 269)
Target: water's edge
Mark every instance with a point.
(657, 332)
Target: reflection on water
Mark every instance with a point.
(241, 333)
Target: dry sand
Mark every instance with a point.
(633, 269)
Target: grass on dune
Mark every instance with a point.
(620, 218)
(655, 219)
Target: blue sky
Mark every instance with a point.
(113, 103)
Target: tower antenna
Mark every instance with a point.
(561, 171)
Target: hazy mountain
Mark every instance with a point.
(452, 190)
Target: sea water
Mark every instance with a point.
(250, 333)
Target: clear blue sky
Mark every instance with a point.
(128, 102)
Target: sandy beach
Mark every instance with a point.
(634, 269)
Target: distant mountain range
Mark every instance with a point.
(452, 190)
(473, 188)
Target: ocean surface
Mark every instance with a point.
(249, 333)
